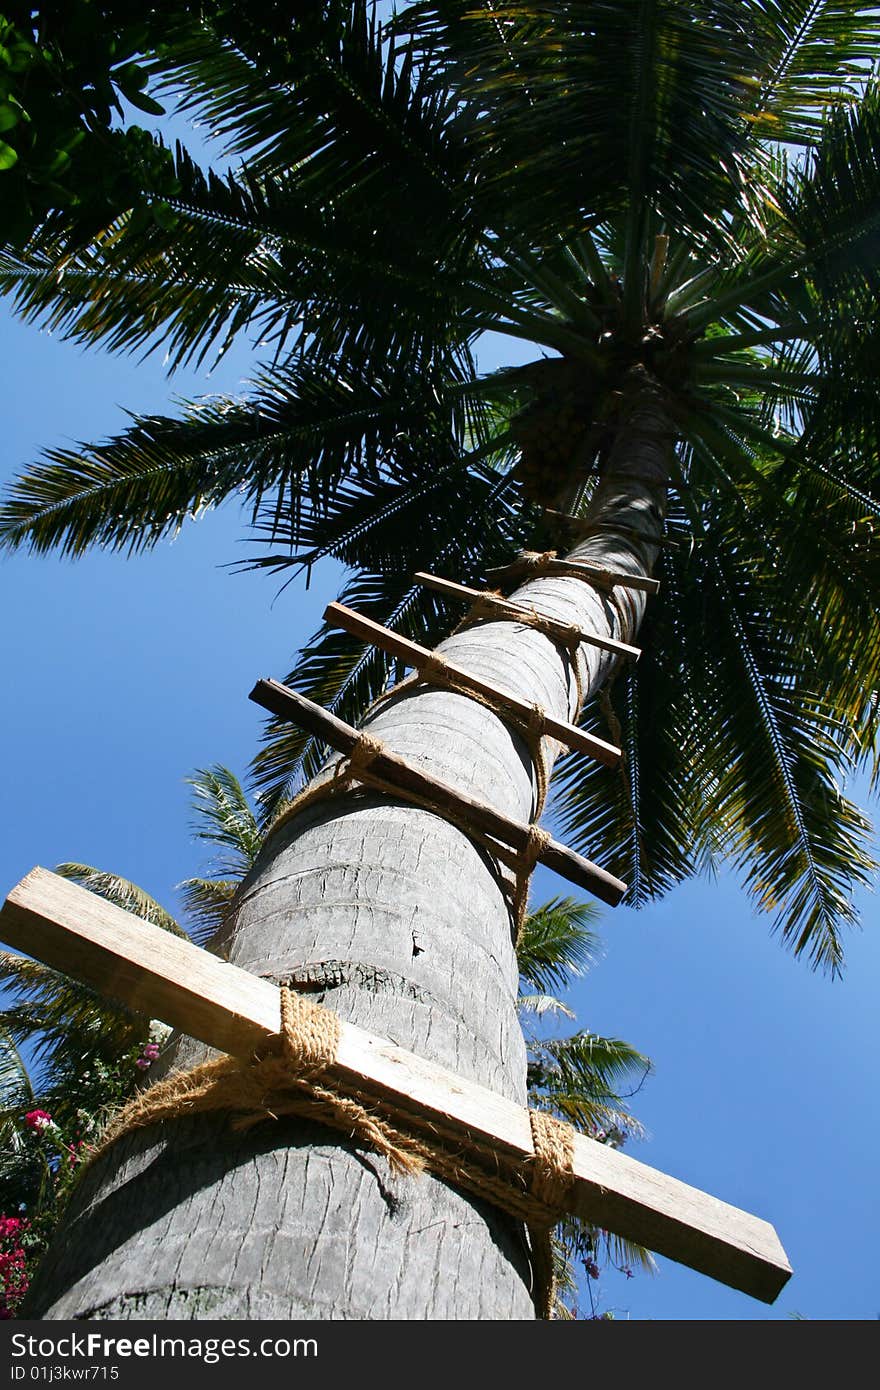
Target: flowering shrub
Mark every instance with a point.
(38, 1119)
(46, 1150)
(13, 1264)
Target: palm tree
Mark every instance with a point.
(83, 1048)
(676, 204)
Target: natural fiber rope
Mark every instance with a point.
(552, 1179)
(356, 766)
(563, 635)
(537, 562)
(288, 1083)
(435, 670)
(365, 751)
(538, 840)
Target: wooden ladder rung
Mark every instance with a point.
(553, 627)
(337, 615)
(594, 574)
(406, 778)
(228, 1008)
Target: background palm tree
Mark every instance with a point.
(707, 297)
(581, 1078)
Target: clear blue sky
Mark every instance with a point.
(122, 676)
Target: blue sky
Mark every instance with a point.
(124, 675)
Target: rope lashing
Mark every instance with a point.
(435, 670)
(551, 1182)
(295, 1081)
(357, 767)
(538, 840)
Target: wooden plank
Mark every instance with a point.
(513, 612)
(337, 615)
(151, 970)
(406, 778)
(87, 938)
(596, 574)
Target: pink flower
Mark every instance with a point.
(143, 1063)
(38, 1119)
(151, 1051)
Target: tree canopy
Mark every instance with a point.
(687, 189)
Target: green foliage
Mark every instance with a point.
(690, 187)
(65, 68)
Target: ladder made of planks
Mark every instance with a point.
(158, 974)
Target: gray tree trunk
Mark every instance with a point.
(397, 921)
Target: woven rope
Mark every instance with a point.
(552, 1179)
(435, 670)
(538, 562)
(564, 634)
(356, 767)
(538, 841)
(289, 1083)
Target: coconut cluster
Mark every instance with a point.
(553, 439)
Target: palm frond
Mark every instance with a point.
(555, 943)
(206, 904)
(306, 426)
(542, 1004)
(16, 1089)
(609, 96)
(65, 1026)
(122, 893)
(222, 816)
(585, 1079)
(814, 55)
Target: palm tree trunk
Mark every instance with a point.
(399, 922)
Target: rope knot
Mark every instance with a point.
(537, 560)
(363, 754)
(309, 1033)
(551, 1174)
(536, 842)
(550, 1181)
(434, 668)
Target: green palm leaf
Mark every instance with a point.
(686, 190)
(121, 892)
(814, 56)
(206, 904)
(555, 943)
(223, 817)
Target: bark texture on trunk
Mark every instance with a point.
(395, 919)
